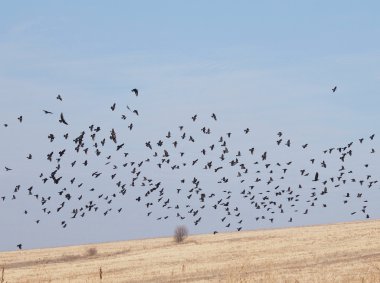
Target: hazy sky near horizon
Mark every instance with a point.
(266, 65)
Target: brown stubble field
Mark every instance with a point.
(346, 252)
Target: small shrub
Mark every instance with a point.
(180, 233)
(91, 252)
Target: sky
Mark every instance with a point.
(266, 65)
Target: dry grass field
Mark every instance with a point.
(347, 252)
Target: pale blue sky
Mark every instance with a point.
(267, 65)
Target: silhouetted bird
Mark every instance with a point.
(113, 107)
(62, 119)
(316, 177)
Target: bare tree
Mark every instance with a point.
(180, 233)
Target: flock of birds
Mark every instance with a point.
(221, 177)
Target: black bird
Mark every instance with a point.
(19, 246)
(264, 156)
(59, 97)
(20, 119)
(213, 116)
(62, 119)
(8, 169)
(148, 145)
(334, 89)
(47, 112)
(316, 177)
(135, 91)
(113, 107)
(113, 136)
(51, 137)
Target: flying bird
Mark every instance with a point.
(135, 91)
(113, 107)
(62, 119)
(316, 177)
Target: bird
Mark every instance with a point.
(135, 91)
(334, 89)
(59, 97)
(316, 177)
(19, 246)
(62, 120)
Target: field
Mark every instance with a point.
(346, 252)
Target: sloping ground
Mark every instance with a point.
(347, 252)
